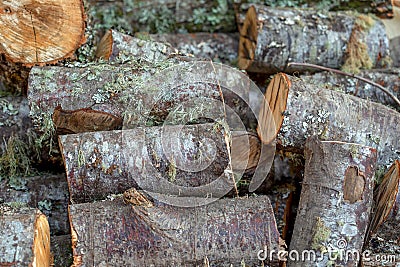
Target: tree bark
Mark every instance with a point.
(335, 202)
(114, 46)
(38, 33)
(123, 91)
(273, 37)
(309, 110)
(227, 231)
(49, 193)
(25, 237)
(172, 160)
(61, 248)
(390, 79)
(218, 47)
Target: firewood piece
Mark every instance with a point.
(25, 237)
(47, 192)
(392, 30)
(335, 201)
(311, 110)
(40, 32)
(219, 47)
(386, 213)
(273, 37)
(387, 78)
(123, 91)
(104, 163)
(114, 46)
(224, 232)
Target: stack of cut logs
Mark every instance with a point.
(158, 171)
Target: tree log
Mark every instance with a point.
(114, 46)
(123, 91)
(273, 37)
(41, 32)
(227, 231)
(307, 110)
(218, 47)
(390, 79)
(161, 16)
(335, 202)
(25, 237)
(104, 163)
(47, 192)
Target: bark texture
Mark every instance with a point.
(227, 231)
(390, 79)
(41, 32)
(219, 47)
(114, 46)
(142, 93)
(312, 110)
(172, 160)
(273, 37)
(335, 202)
(25, 237)
(47, 192)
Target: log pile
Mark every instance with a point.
(162, 146)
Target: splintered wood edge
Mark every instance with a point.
(272, 113)
(77, 258)
(245, 150)
(385, 197)
(41, 241)
(104, 48)
(248, 39)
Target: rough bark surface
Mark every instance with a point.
(390, 79)
(47, 192)
(25, 237)
(142, 93)
(34, 32)
(312, 110)
(273, 37)
(227, 231)
(14, 119)
(335, 201)
(172, 160)
(114, 46)
(219, 47)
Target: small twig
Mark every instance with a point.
(383, 89)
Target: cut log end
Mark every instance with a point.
(36, 33)
(104, 48)
(41, 242)
(248, 39)
(272, 112)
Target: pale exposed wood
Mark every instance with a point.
(335, 201)
(311, 110)
(38, 32)
(273, 37)
(25, 237)
(227, 231)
